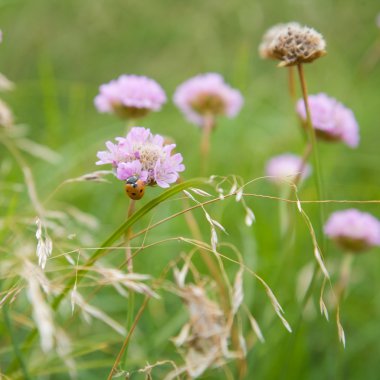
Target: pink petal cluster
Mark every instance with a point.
(144, 155)
(331, 119)
(207, 94)
(130, 96)
(286, 167)
(353, 230)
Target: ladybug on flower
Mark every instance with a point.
(142, 159)
(135, 187)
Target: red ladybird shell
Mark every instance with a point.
(135, 190)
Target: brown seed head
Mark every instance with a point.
(296, 44)
(265, 50)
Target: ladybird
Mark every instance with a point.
(135, 188)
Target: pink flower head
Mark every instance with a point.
(286, 167)
(353, 230)
(143, 155)
(332, 120)
(130, 96)
(207, 94)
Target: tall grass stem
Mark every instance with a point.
(207, 127)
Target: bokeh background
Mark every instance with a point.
(59, 52)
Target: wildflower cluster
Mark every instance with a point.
(331, 120)
(130, 96)
(144, 155)
(207, 95)
(353, 230)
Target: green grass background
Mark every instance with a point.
(59, 52)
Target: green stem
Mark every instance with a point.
(320, 196)
(284, 216)
(312, 137)
(128, 337)
(316, 163)
(16, 350)
(127, 235)
(107, 246)
(207, 127)
(129, 260)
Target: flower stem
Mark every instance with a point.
(207, 127)
(129, 261)
(127, 235)
(317, 169)
(310, 149)
(312, 137)
(127, 338)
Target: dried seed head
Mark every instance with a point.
(265, 50)
(297, 44)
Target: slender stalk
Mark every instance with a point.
(207, 127)
(310, 149)
(284, 217)
(312, 146)
(128, 250)
(312, 137)
(129, 261)
(127, 235)
(127, 338)
(16, 350)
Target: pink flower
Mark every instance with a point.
(353, 230)
(207, 94)
(130, 96)
(286, 167)
(332, 120)
(144, 155)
